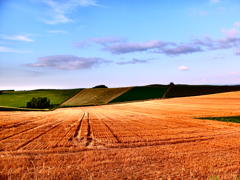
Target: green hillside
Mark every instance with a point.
(142, 93)
(100, 96)
(95, 96)
(20, 98)
(196, 90)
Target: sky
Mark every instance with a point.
(84, 43)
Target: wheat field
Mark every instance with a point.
(155, 139)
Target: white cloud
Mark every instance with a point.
(17, 38)
(183, 68)
(231, 33)
(10, 50)
(122, 46)
(67, 62)
(60, 10)
(133, 61)
(58, 18)
(57, 32)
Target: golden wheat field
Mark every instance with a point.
(155, 139)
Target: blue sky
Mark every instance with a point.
(83, 43)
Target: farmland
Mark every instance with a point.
(142, 93)
(95, 96)
(196, 90)
(152, 139)
(10, 100)
(20, 98)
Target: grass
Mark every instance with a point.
(100, 96)
(5, 108)
(94, 96)
(18, 99)
(196, 90)
(142, 93)
(234, 119)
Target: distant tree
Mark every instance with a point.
(100, 86)
(39, 102)
(171, 84)
(1, 92)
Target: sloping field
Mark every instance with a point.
(142, 140)
(142, 93)
(95, 96)
(197, 90)
(100, 96)
(20, 98)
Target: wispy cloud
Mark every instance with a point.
(129, 47)
(133, 61)
(122, 46)
(181, 49)
(107, 40)
(183, 68)
(103, 41)
(58, 18)
(25, 38)
(60, 10)
(57, 32)
(232, 33)
(117, 45)
(10, 50)
(67, 62)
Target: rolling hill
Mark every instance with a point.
(101, 96)
(19, 99)
(142, 93)
(95, 96)
(196, 90)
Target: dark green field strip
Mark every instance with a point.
(5, 108)
(234, 119)
(142, 93)
(196, 90)
(20, 98)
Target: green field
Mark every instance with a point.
(142, 93)
(20, 98)
(6, 108)
(197, 90)
(95, 96)
(100, 96)
(234, 119)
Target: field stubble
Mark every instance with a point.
(152, 139)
